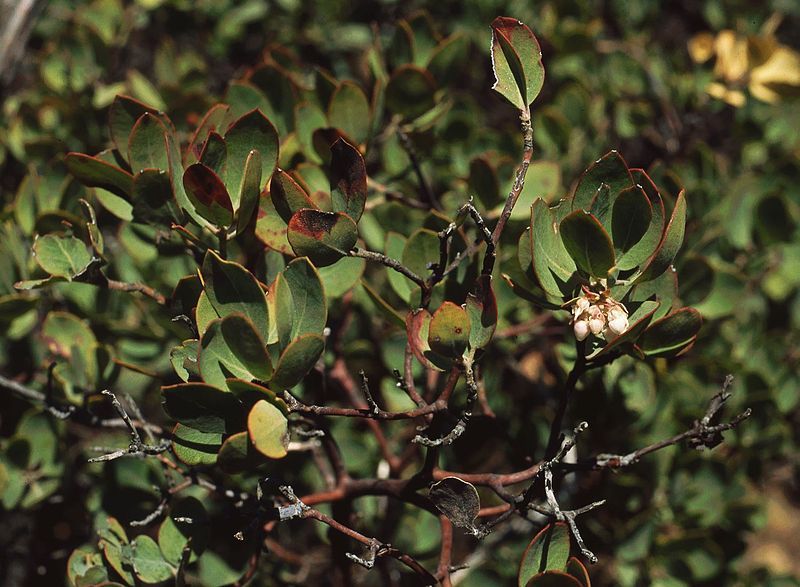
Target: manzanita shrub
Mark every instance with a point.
(269, 254)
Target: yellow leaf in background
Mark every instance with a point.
(701, 47)
(722, 92)
(732, 56)
(769, 81)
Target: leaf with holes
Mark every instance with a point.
(516, 62)
(268, 429)
(323, 237)
(448, 332)
(61, 256)
(548, 551)
(588, 243)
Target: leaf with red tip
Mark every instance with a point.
(348, 179)
(208, 194)
(516, 62)
(287, 195)
(417, 326)
(323, 237)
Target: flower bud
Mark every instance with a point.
(581, 329)
(597, 321)
(617, 321)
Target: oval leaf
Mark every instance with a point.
(448, 333)
(672, 334)
(268, 429)
(630, 218)
(203, 407)
(588, 243)
(456, 499)
(323, 237)
(349, 111)
(61, 256)
(516, 62)
(93, 172)
(297, 360)
(548, 551)
(232, 289)
(670, 243)
(348, 179)
(208, 195)
(251, 132)
(231, 347)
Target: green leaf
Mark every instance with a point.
(548, 551)
(348, 179)
(342, 276)
(249, 393)
(577, 569)
(268, 429)
(448, 332)
(148, 563)
(324, 237)
(61, 256)
(215, 154)
(195, 447)
(186, 524)
(630, 218)
(554, 579)
(394, 247)
(671, 335)
(208, 195)
(588, 243)
(82, 560)
(287, 195)
(420, 251)
(609, 172)
(410, 92)
(307, 119)
(249, 192)
(211, 123)
(271, 229)
(349, 111)
(153, 200)
(482, 312)
(122, 116)
(297, 360)
(204, 313)
(230, 347)
(147, 145)
(232, 289)
(670, 243)
(553, 266)
(238, 454)
(253, 131)
(516, 62)
(203, 407)
(309, 311)
(93, 172)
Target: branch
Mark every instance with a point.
(388, 262)
(519, 178)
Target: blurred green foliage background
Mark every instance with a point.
(626, 75)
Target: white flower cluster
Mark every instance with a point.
(598, 314)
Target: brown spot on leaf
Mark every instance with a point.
(313, 222)
(206, 186)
